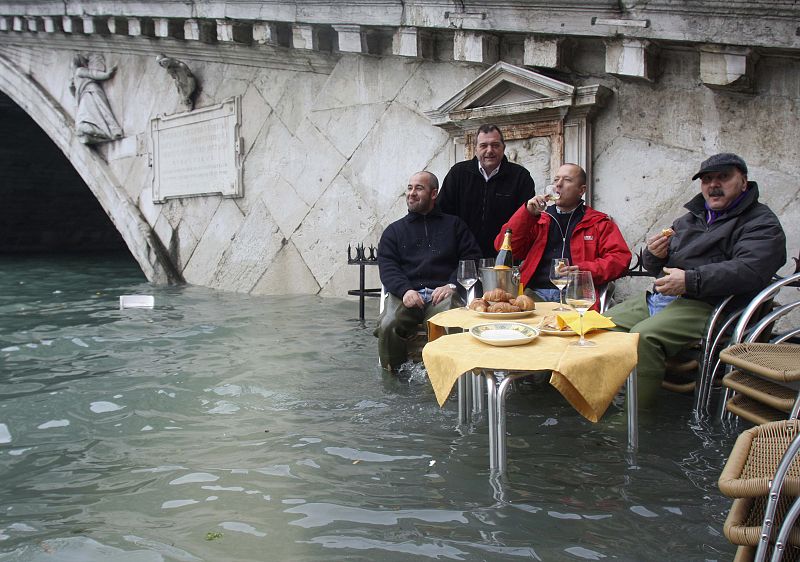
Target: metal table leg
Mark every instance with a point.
(491, 406)
(632, 400)
(477, 394)
(462, 399)
(500, 438)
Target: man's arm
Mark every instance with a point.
(613, 255)
(391, 273)
(522, 236)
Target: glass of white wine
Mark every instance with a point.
(467, 276)
(559, 278)
(581, 296)
(550, 194)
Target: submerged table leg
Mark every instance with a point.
(632, 400)
(465, 385)
(501, 424)
(462, 397)
(477, 394)
(491, 401)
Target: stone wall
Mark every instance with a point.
(330, 137)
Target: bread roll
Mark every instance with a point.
(479, 305)
(524, 302)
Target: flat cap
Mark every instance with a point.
(720, 162)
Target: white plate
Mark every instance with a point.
(505, 315)
(549, 332)
(504, 333)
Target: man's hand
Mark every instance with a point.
(441, 293)
(536, 205)
(411, 299)
(658, 245)
(673, 283)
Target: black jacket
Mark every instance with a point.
(423, 251)
(735, 255)
(485, 206)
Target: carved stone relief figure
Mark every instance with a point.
(184, 79)
(94, 120)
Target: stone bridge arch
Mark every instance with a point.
(142, 242)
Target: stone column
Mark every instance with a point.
(350, 40)
(730, 68)
(544, 52)
(474, 46)
(50, 24)
(88, 25)
(265, 33)
(303, 36)
(631, 58)
(412, 42)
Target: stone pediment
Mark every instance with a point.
(545, 122)
(505, 93)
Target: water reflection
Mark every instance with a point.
(219, 426)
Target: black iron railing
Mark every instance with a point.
(364, 257)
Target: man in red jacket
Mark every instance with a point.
(568, 229)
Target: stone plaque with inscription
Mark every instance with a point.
(198, 152)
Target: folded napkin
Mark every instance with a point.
(592, 320)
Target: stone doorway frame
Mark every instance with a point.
(526, 105)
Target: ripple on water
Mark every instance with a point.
(5, 434)
(103, 406)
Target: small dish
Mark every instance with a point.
(505, 315)
(503, 334)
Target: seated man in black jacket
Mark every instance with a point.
(418, 259)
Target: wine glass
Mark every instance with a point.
(559, 278)
(581, 296)
(550, 194)
(467, 276)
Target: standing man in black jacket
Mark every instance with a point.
(486, 190)
(418, 259)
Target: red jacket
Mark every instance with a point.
(596, 244)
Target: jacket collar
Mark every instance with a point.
(435, 212)
(697, 204)
(503, 167)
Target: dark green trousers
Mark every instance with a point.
(397, 323)
(661, 336)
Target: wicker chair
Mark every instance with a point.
(765, 377)
(763, 476)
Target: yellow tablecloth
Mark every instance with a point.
(588, 377)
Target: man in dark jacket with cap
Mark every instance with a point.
(727, 244)
(418, 259)
(486, 190)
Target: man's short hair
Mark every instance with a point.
(433, 181)
(581, 172)
(490, 128)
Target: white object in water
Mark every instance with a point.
(136, 301)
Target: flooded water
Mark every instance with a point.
(226, 427)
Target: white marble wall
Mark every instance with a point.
(328, 152)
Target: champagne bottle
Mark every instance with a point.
(504, 258)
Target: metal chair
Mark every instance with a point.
(760, 468)
(745, 333)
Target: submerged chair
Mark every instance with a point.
(764, 377)
(763, 476)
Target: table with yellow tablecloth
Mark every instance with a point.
(588, 377)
